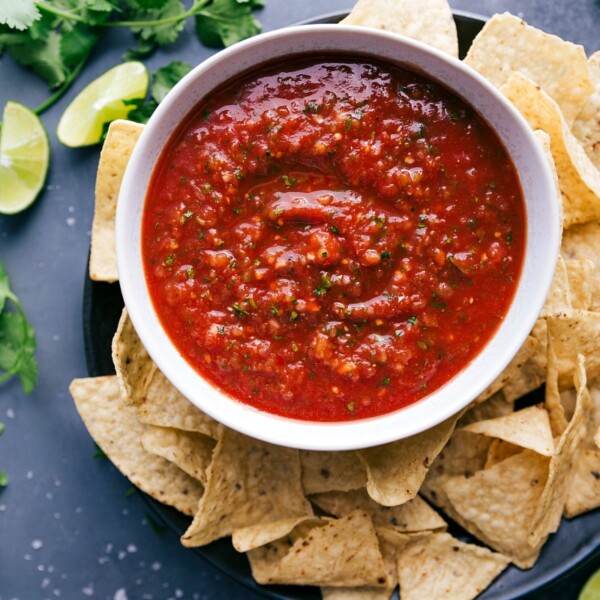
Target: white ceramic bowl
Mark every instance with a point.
(543, 236)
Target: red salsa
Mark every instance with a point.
(332, 239)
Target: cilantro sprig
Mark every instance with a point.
(163, 80)
(54, 38)
(17, 339)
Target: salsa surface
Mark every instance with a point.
(332, 239)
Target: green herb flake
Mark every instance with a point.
(385, 381)
(99, 453)
(295, 347)
(311, 107)
(155, 525)
(238, 310)
(3, 479)
(335, 230)
(351, 406)
(130, 491)
(412, 320)
(274, 311)
(385, 254)
(294, 315)
(169, 260)
(185, 216)
(289, 181)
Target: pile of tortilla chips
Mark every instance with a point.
(360, 523)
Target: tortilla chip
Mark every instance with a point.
(254, 536)
(559, 296)
(582, 242)
(526, 351)
(156, 400)
(586, 127)
(579, 180)
(440, 566)
(581, 275)
(552, 502)
(414, 515)
(431, 22)
(249, 483)
(358, 593)
(500, 450)
(388, 552)
(165, 406)
(338, 552)
(544, 140)
(396, 471)
(115, 428)
(573, 334)
(116, 150)
(191, 452)
(132, 362)
(553, 401)
(583, 492)
(533, 373)
(507, 44)
(495, 406)
(464, 454)
(594, 417)
(527, 428)
(497, 505)
(331, 472)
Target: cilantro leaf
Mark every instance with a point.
(162, 82)
(225, 22)
(166, 77)
(17, 339)
(42, 56)
(18, 14)
(77, 44)
(17, 349)
(163, 33)
(4, 287)
(3, 479)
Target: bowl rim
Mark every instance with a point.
(345, 435)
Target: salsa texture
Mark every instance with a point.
(332, 239)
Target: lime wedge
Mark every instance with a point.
(102, 101)
(591, 590)
(24, 158)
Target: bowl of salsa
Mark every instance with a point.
(331, 237)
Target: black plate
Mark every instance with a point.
(575, 542)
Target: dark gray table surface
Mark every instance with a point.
(68, 528)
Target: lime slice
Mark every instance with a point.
(24, 158)
(102, 101)
(591, 590)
